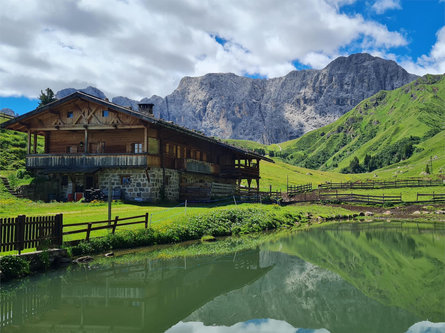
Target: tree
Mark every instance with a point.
(46, 97)
(427, 169)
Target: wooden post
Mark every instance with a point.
(110, 197)
(46, 150)
(86, 140)
(20, 232)
(88, 232)
(115, 224)
(145, 140)
(35, 144)
(59, 230)
(146, 220)
(28, 147)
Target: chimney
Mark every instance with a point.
(146, 108)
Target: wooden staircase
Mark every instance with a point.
(5, 182)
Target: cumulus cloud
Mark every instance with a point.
(138, 48)
(433, 63)
(381, 6)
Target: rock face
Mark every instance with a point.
(88, 90)
(8, 112)
(272, 110)
(279, 109)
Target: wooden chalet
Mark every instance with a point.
(90, 143)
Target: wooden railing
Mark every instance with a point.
(432, 196)
(70, 161)
(296, 189)
(106, 225)
(361, 198)
(376, 184)
(240, 170)
(22, 232)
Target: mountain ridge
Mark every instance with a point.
(278, 109)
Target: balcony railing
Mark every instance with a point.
(81, 161)
(240, 171)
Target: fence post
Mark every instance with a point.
(115, 224)
(146, 220)
(88, 232)
(59, 229)
(19, 232)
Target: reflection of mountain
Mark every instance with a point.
(404, 269)
(303, 295)
(141, 297)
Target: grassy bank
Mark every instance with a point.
(228, 221)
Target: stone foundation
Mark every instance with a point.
(136, 184)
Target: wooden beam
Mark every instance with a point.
(47, 134)
(35, 143)
(145, 139)
(80, 127)
(28, 146)
(86, 140)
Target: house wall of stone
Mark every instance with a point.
(136, 186)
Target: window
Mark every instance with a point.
(153, 146)
(71, 149)
(125, 180)
(69, 114)
(104, 113)
(137, 148)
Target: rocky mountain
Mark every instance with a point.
(88, 90)
(274, 110)
(8, 112)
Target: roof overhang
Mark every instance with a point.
(149, 119)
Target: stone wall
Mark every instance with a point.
(134, 184)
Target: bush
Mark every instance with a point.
(14, 267)
(224, 222)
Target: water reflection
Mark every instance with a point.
(361, 281)
(251, 326)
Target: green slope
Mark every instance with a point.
(405, 124)
(13, 148)
(399, 268)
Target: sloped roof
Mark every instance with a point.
(140, 115)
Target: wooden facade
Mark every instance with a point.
(83, 134)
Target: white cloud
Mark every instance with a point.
(434, 63)
(253, 326)
(381, 6)
(143, 47)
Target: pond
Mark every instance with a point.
(337, 279)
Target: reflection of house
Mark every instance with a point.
(91, 143)
(148, 296)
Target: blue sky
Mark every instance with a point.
(111, 45)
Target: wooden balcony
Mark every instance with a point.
(83, 161)
(240, 171)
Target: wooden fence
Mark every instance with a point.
(376, 184)
(108, 225)
(296, 189)
(435, 197)
(361, 198)
(22, 232)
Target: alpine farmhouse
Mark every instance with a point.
(90, 143)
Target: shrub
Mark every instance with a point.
(14, 267)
